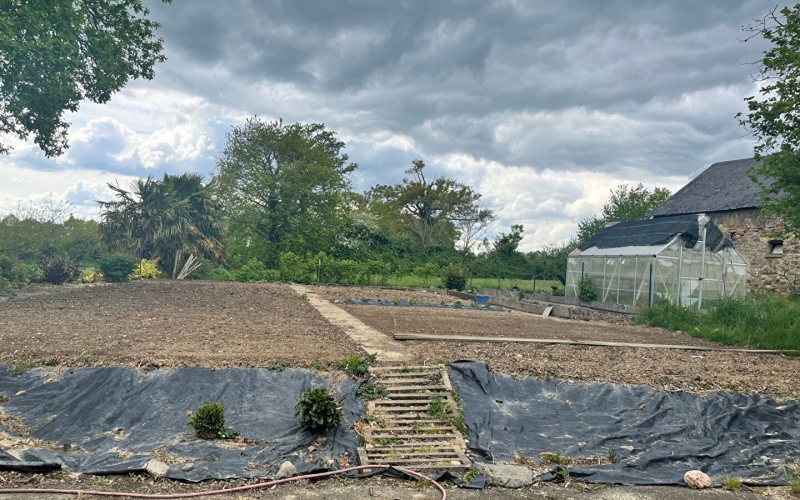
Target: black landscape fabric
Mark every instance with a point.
(114, 420)
(657, 436)
(657, 231)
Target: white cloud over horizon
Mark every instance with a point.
(541, 107)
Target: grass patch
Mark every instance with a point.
(732, 483)
(21, 366)
(412, 281)
(438, 408)
(768, 321)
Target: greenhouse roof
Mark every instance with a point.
(631, 251)
(658, 231)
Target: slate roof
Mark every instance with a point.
(722, 186)
(660, 230)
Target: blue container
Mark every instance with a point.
(482, 299)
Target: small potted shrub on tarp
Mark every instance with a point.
(317, 409)
(209, 422)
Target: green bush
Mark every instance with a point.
(220, 274)
(25, 273)
(587, 291)
(5, 286)
(316, 408)
(254, 270)
(117, 267)
(6, 264)
(61, 269)
(455, 278)
(209, 420)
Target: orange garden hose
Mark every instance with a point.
(220, 492)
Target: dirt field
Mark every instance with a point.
(169, 323)
(693, 371)
(377, 293)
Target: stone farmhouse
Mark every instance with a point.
(733, 202)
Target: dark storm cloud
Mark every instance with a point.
(450, 73)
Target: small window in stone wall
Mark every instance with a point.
(775, 247)
(733, 236)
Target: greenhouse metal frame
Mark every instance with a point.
(696, 276)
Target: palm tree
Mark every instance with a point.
(165, 220)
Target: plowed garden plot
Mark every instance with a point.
(170, 323)
(342, 293)
(695, 371)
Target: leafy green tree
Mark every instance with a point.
(625, 203)
(429, 209)
(774, 119)
(165, 219)
(57, 53)
(506, 245)
(283, 187)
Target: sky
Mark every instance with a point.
(543, 107)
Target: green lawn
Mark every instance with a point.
(769, 321)
(505, 284)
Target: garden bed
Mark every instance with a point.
(693, 371)
(171, 324)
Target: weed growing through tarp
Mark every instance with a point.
(317, 409)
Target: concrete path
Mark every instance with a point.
(371, 340)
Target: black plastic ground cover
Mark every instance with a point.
(657, 436)
(405, 303)
(87, 407)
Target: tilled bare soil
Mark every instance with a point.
(695, 371)
(170, 323)
(357, 293)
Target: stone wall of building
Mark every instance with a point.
(774, 261)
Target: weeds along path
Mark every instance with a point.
(371, 340)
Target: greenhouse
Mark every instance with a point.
(683, 259)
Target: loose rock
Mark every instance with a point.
(287, 469)
(697, 480)
(508, 476)
(156, 468)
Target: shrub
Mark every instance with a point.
(209, 420)
(220, 274)
(587, 291)
(6, 264)
(117, 267)
(371, 390)
(455, 278)
(357, 364)
(60, 270)
(5, 286)
(254, 270)
(25, 273)
(147, 269)
(316, 408)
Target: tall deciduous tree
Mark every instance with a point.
(56, 53)
(165, 219)
(774, 119)
(283, 186)
(435, 211)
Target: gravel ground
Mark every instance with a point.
(171, 324)
(379, 488)
(693, 371)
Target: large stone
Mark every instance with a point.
(287, 469)
(508, 476)
(156, 468)
(697, 480)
